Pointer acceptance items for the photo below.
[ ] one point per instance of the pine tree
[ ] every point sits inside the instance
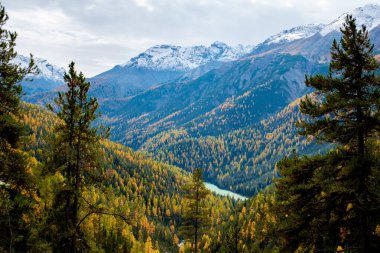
(196, 212)
(331, 201)
(75, 149)
(16, 182)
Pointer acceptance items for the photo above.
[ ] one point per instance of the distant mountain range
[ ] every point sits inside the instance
(170, 57)
(159, 64)
(49, 78)
(163, 63)
(176, 102)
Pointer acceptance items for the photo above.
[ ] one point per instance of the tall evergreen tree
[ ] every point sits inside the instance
(331, 201)
(196, 212)
(75, 149)
(16, 184)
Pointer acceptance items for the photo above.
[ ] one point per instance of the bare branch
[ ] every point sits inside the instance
(125, 219)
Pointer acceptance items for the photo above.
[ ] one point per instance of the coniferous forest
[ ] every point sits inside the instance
(312, 175)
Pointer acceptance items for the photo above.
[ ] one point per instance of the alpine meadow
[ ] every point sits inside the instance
(271, 146)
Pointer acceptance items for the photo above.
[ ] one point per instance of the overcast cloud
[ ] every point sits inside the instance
(98, 34)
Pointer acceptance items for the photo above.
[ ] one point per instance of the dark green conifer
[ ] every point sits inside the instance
(196, 215)
(328, 201)
(16, 183)
(74, 154)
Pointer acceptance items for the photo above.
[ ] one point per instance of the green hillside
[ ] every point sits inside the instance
(242, 160)
(149, 193)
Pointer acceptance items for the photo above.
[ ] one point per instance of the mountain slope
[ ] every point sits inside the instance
(236, 95)
(296, 33)
(242, 160)
(285, 37)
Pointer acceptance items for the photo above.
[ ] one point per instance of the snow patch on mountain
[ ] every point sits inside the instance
(165, 57)
(47, 70)
(368, 15)
(296, 33)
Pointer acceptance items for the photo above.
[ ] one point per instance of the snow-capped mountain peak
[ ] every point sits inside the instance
(296, 33)
(47, 70)
(368, 15)
(49, 77)
(170, 57)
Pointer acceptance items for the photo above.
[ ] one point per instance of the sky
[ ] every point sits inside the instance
(99, 34)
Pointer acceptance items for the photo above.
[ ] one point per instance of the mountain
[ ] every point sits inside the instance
(368, 15)
(218, 102)
(160, 64)
(237, 94)
(49, 78)
(205, 98)
(316, 47)
(296, 33)
(170, 57)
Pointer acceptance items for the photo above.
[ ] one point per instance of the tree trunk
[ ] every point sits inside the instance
(363, 219)
(196, 222)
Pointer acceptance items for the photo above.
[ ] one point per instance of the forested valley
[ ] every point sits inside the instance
(65, 187)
